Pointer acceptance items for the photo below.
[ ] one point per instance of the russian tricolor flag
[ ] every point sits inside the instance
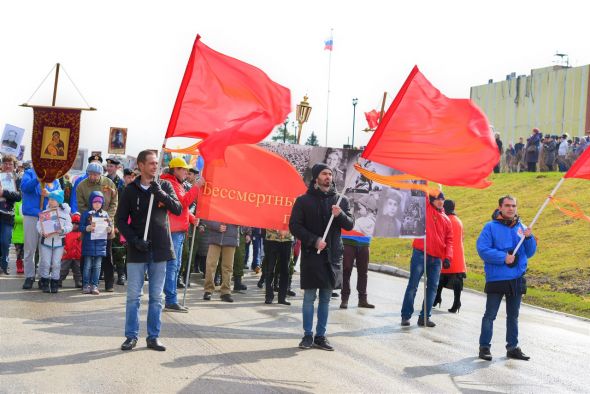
(329, 44)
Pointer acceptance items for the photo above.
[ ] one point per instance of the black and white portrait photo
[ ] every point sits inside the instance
(11, 139)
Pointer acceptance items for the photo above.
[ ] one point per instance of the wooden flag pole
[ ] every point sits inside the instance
(151, 203)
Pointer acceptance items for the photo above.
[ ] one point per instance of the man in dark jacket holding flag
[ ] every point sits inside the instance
(309, 219)
(504, 274)
(151, 254)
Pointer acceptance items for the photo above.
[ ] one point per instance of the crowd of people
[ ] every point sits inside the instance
(549, 152)
(99, 224)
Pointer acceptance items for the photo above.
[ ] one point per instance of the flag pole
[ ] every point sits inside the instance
(539, 212)
(329, 75)
(337, 204)
(151, 204)
(425, 276)
(190, 255)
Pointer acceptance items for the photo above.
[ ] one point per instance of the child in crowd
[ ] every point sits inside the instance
(52, 244)
(72, 253)
(18, 237)
(95, 249)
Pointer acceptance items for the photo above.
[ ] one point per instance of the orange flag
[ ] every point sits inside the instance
(431, 136)
(581, 167)
(253, 187)
(225, 102)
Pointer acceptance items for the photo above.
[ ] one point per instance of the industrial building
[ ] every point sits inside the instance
(553, 99)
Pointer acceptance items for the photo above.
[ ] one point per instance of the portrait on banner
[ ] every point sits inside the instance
(117, 140)
(54, 143)
(11, 139)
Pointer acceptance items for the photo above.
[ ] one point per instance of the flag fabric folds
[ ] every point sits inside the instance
(253, 187)
(329, 44)
(581, 167)
(431, 136)
(225, 101)
(373, 118)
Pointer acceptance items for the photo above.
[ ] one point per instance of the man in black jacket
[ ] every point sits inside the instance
(149, 254)
(309, 219)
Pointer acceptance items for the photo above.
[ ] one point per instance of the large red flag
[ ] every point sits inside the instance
(581, 167)
(253, 187)
(225, 101)
(431, 136)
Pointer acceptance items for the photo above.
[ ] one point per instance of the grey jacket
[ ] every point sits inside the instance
(231, 237)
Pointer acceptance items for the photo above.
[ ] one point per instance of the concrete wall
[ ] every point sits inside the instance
(514, 107)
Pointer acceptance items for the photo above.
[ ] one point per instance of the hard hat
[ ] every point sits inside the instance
(178, 162)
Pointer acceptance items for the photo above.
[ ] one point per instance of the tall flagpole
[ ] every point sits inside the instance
(329, 74)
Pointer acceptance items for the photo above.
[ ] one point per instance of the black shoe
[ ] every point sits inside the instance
(175, 308)
(28, 285)
(238, 285)
(344, 305)
(154, 343)
(5, 270)
(291, 293)
(306, 342)
(517, 354)
(335, 295)
(78, 284)
(260, 283)
(485, 354)
(284, 302)
(44, 285)
(455, 308)
(101, 277)
(59, 283)
(429, 323)
(437, 301)
(180, 284)
(121, 280)
(365, 304)
(227, 298)
(275, 288)
(405, 322)
(109, 289)
(207, 296)
(53, 285)
(129, 344)
(322, 343)
(268, 301)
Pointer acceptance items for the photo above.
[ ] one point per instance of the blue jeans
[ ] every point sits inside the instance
(256, 247)
(433, 265)
(91, 271)
(135, 273)
(173, 268)
(5, 240)
(309, 296)
(487, 322)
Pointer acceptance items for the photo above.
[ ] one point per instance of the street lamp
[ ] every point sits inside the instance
(302, 114)
(354, 103)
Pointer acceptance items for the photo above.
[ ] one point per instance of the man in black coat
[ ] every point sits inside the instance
(309, 219)
(150, 254)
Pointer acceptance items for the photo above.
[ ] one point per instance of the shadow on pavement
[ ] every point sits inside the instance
(36, 365)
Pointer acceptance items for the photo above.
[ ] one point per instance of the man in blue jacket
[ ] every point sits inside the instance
(505, 274)
(31, 197)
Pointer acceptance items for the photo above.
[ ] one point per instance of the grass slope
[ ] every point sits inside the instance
(559, 274)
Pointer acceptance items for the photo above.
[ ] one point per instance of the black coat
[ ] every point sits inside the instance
(309, 219)
(134, 203)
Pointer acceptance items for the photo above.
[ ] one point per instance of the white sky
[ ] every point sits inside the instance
(128, 58)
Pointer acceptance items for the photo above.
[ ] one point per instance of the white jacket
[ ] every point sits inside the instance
(56, 240)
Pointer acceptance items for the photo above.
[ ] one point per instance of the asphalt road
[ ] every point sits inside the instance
(69, 342)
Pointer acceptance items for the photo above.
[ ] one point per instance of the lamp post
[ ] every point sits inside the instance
(302, 114)
(295, 126)
(285, 130)
(354, 103)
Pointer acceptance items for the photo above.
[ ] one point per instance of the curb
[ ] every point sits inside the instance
(394, 271)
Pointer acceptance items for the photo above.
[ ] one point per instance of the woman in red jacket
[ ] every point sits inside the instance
(452, 277)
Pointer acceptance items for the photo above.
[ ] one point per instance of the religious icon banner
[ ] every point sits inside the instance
(56, 133)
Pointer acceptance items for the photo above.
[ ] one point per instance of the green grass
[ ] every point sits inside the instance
(559, 274)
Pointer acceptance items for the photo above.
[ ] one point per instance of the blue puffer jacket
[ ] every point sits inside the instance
(31, 193)
(93, 247)
(494, 242)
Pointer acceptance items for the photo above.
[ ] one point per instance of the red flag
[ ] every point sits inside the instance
(225, 101)
(431, 136)
(373, 118)
(253, 187)
(581, 167)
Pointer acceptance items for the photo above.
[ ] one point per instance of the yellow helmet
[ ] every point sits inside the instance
(178, 162)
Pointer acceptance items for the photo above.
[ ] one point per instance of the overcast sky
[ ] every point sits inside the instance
(128, 58)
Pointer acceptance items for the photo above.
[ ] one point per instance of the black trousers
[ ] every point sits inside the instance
(532, 166)
(277, 254)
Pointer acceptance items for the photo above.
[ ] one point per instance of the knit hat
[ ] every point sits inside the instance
(99, 199)
(317, 168)
(94, 167)
(57, 195)
(440, 196)
(449, 206)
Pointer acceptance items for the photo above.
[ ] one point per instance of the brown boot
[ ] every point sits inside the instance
(344, 304)
(364, 304)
